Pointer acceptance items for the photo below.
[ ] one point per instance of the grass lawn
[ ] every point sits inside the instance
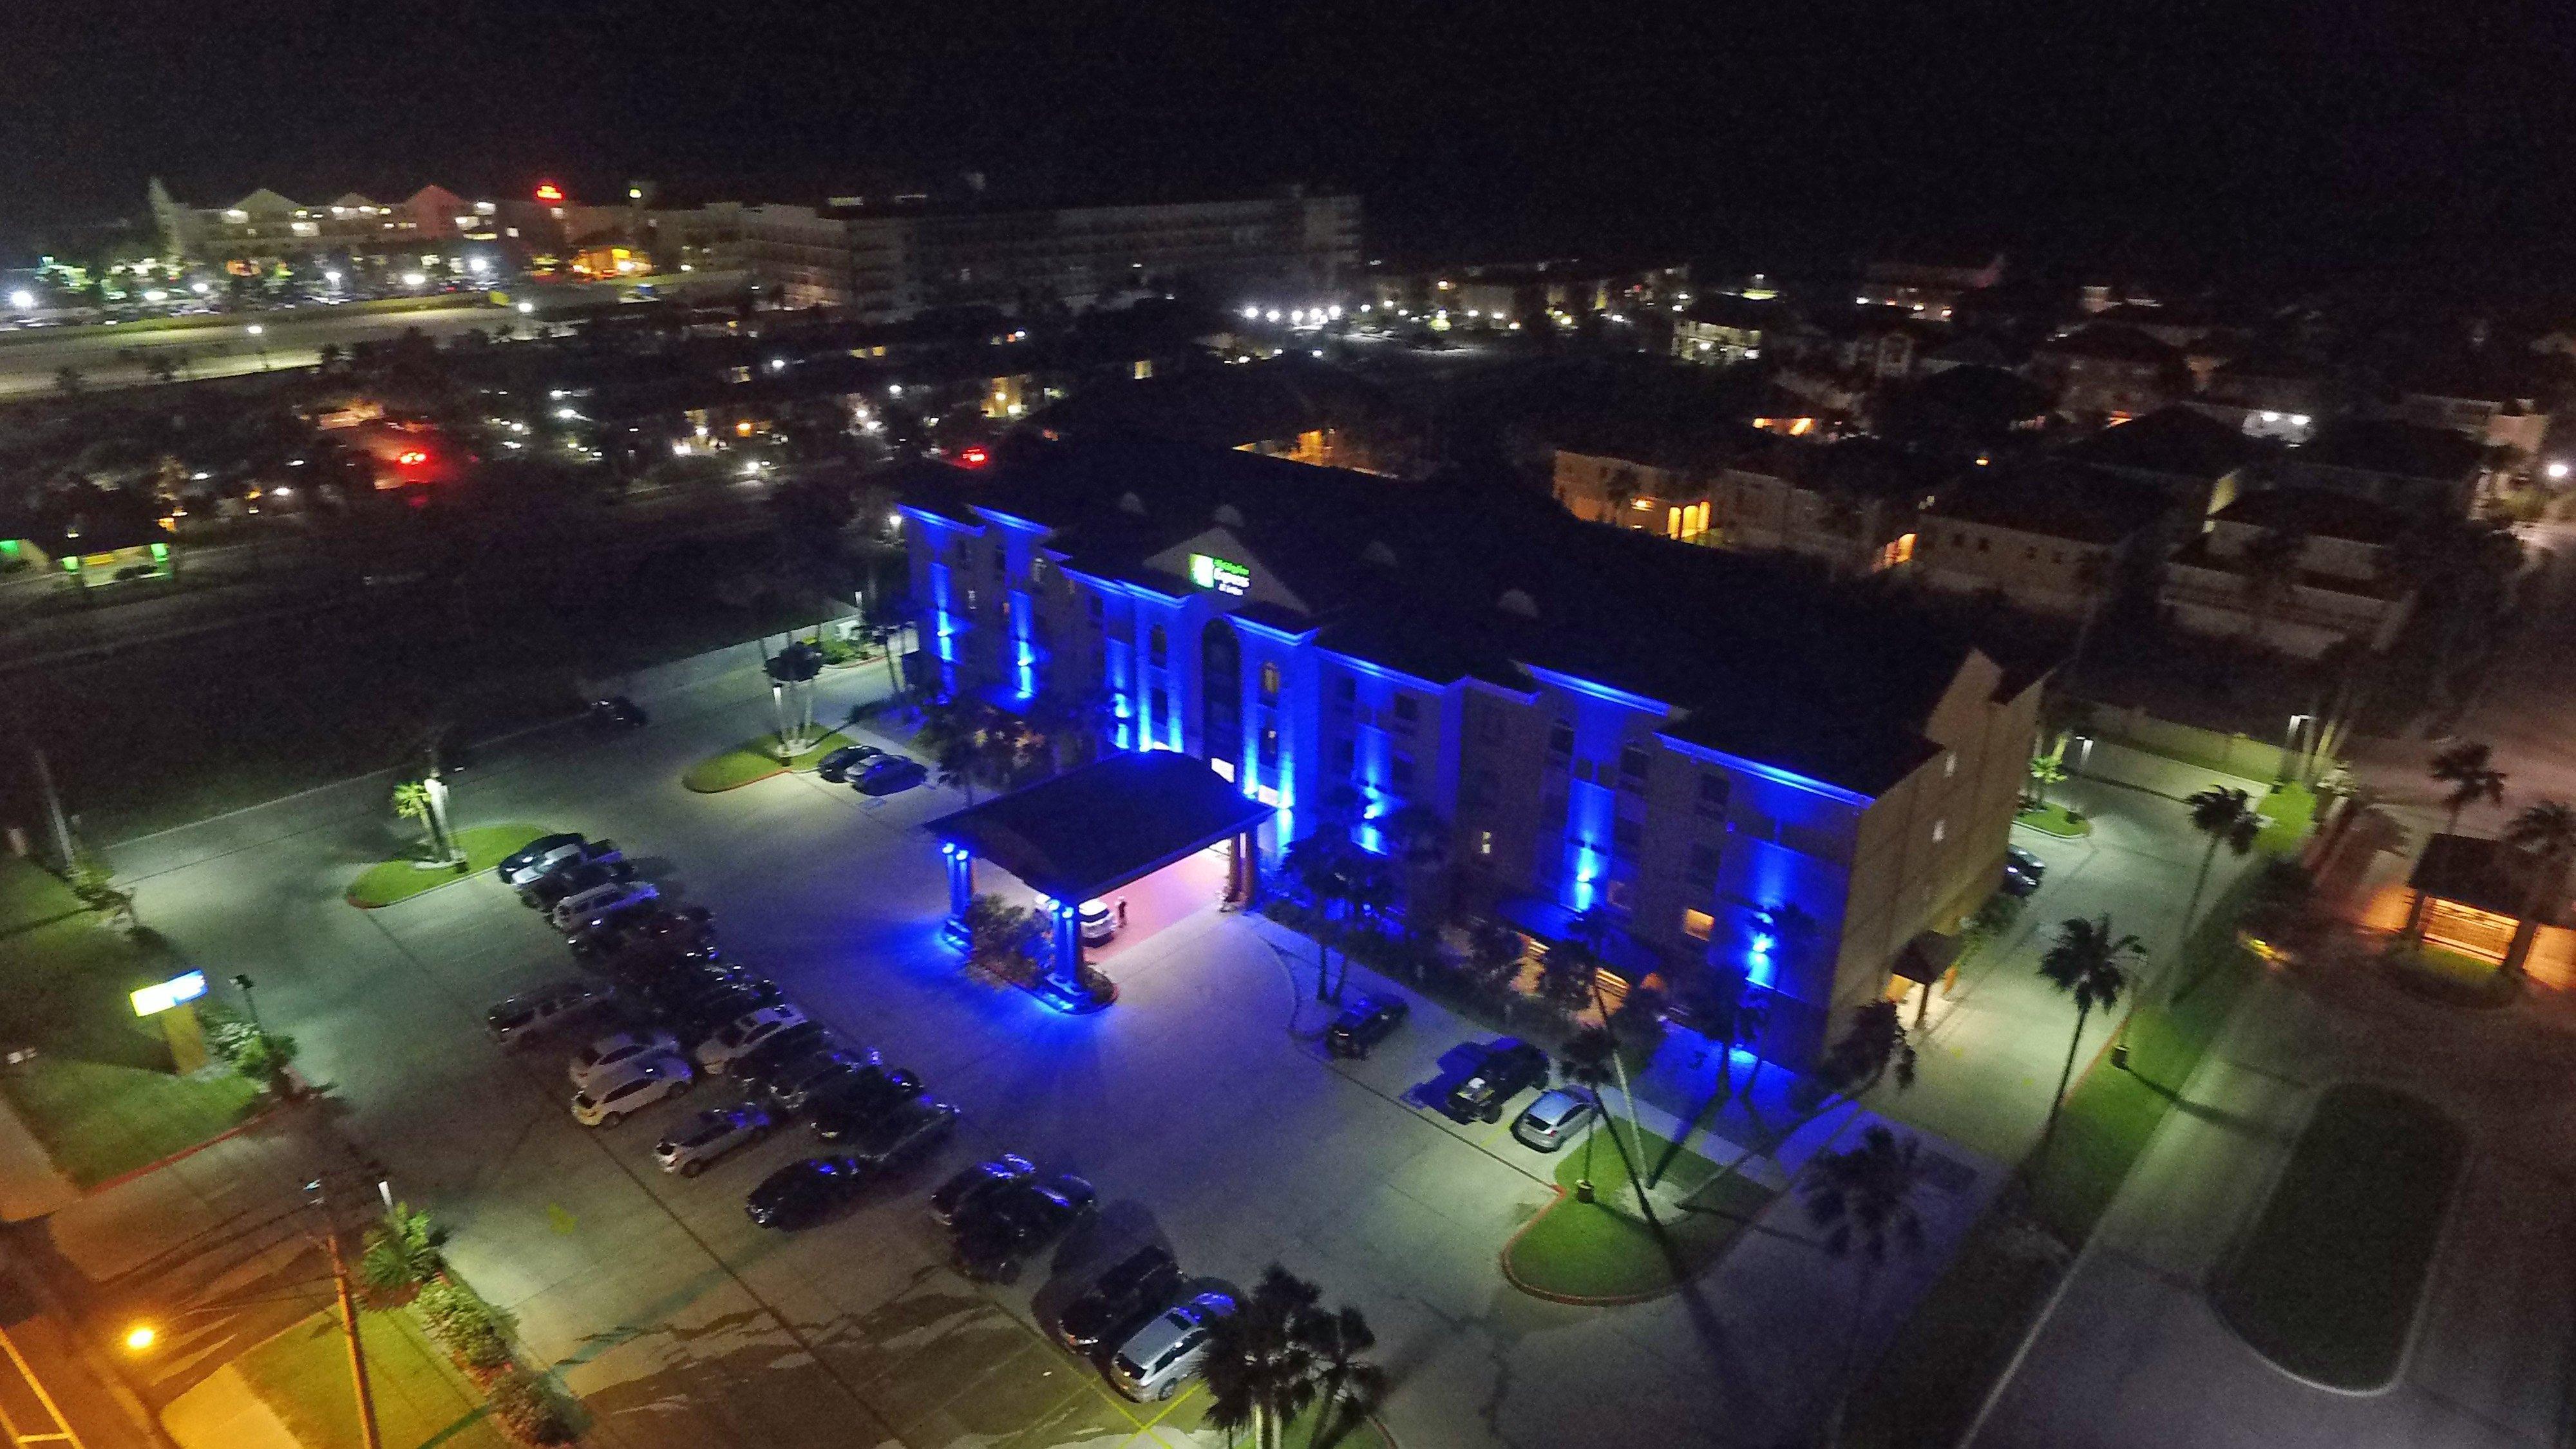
(303, 1375)
(100, 1094)
(2451, 977)
(1931, 1381)
(2292, 808)
(2055, 820)
(400, 880)
(2327, 1284)
(758, 760)
(1604, 1250)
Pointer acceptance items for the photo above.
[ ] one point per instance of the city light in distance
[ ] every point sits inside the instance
(549, 193)
(23, 300)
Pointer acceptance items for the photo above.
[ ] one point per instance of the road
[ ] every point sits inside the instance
(108, 356)
(2522, 708)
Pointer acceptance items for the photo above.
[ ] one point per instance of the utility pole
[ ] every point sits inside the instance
(54, 817)
(314, 1194)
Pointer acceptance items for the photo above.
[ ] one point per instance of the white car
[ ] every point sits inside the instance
(610, 1052)
(711, 1134)
(738, 1037)
(574, 912)
(1161, 1356)
(623, 1090)
(1099, 923)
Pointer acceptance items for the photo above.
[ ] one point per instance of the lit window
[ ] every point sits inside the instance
(1940, 831)
(1269, 683)
(1949, 766)
(1484, 842)
(1697, 924)
(1224, 768)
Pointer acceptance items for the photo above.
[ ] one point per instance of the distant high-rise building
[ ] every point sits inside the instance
(905, 254)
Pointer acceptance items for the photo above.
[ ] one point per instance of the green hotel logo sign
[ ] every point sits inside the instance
(1223, 575)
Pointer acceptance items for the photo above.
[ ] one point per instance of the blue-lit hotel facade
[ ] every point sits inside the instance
(1335, 642)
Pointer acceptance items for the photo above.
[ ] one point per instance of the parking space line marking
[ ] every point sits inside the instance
(42, 1397)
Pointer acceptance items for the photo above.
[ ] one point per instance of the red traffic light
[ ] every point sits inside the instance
(548, 192)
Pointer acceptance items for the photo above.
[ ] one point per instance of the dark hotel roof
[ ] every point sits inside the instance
(2055, 500)
(2320, 512)
(1765, 660)
(2178, 441)
(2487, 874)
(2390, 446)
(1110, 822)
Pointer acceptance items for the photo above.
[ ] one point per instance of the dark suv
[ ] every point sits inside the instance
(1508, 1069)
(1364, 1023)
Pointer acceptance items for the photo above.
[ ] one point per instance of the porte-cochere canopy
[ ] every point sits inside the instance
(1089, 831)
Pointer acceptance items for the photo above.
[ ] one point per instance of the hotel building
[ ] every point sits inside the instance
(1691, 739)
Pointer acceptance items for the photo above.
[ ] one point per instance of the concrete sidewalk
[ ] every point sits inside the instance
(30, 1186)
(2118, 764)
(222, 1413)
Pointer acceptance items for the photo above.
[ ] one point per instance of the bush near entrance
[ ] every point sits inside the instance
(2055, 820)
(758, 760)
(99, 1093)
(1603, 1251)
(400, 880)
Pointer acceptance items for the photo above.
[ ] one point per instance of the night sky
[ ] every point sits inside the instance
(2432, 141)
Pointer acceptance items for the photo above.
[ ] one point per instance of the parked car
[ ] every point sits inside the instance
(837, 765)
(850, 1106)
(1554, 1119)
(815, 1074)
(745, 1032)
(2018, 885)
(532, 1014)
(630, 1088)
(904, 1136)
(537, 857)
(1006, 1225)
(696, 1017)
(1137, 1287)
(574, 912)
(1099, 922)
(571, 878)
(783, 1053)
(1164, 1354)
(616, 1050)
(888, 775)
(959, 1192)
(2016, 858)
(1364, 1023)
(602, 935)
(1509, 1068)
(802, 1192)
(709, 1135)
(616, 712)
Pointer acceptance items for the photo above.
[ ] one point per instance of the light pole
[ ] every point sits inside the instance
(243, 982)
(437, 789)
(316, 1197)
(2289, 743)
(259, 334)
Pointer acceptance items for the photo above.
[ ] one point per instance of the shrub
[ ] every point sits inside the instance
(530, 1409)
(464, 1325)
(839, 651)
(401, 1256)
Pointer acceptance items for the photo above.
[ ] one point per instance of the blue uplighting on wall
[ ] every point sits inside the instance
(1759, 968)
(1773, 773)
(1580, 685)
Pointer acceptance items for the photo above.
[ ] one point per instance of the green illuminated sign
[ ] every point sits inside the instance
(1226, 577)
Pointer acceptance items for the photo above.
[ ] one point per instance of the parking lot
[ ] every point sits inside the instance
(1201, 1105)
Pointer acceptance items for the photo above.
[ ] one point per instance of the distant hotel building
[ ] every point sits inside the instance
(902, 256)
(1749, 772)
(267, 229)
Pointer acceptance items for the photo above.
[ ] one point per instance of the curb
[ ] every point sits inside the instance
(1504, 1259)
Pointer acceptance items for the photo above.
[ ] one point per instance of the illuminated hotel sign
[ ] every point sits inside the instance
(155, 999)
(1210, 572)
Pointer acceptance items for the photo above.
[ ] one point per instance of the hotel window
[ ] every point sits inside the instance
(1713, 791)
(1633, 763)
(1346, 692)
(1560, 740)
(1407, 709)
(1484, 843)
(1269, 749)
(1269, 684)
(1399, 774)
(1626, 836)
(1346, 756)
(1098, 606)
(1940, 831)
(1697, 924)
(1157, 646)
(1489, 724)
(1704, 859)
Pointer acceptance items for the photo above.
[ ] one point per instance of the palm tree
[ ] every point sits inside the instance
(401, 1256)
(69, 382)
(1595, 929)
(1618, 490)
(412, 802)
(2546, 832)
(1263, 1360)
(2090, 964)
(1346, 1386)
(1321, 864)
(2227, 817)
(792, 671)
(2467, 768)
(1863, 1198)
(1418, 839)
(1728, 1010)
(1586, 1063)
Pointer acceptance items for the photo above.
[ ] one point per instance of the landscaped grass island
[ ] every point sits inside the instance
(400, 880)
(2328, 1282)
(1604, 1252)
(302, 1375)
(758, 760)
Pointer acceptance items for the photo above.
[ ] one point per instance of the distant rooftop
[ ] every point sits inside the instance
(2318, 513)
(2055, 500)
(2177, 441)
(2393, 447)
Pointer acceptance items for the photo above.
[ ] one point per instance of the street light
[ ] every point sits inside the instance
(2289, 741)
(243, 981)
(23, 300)
(140, 1337)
